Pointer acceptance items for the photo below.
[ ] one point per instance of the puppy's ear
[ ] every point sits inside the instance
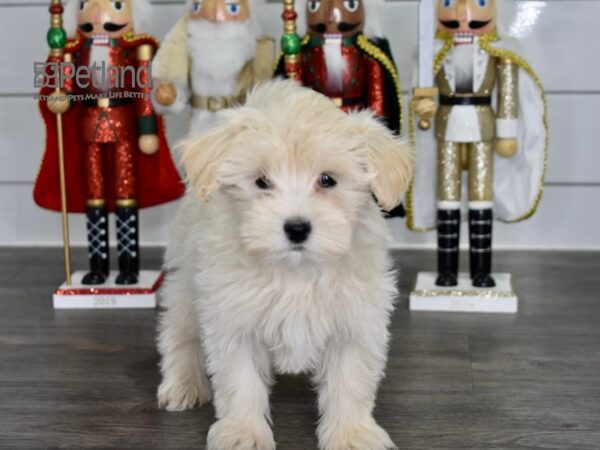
(202, 155)
(389, 158)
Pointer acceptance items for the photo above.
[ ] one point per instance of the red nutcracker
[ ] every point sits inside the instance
(115, 153)
(345, 57)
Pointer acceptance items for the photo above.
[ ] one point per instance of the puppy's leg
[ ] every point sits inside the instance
(241, 380)
(184, 382)
(347, 381)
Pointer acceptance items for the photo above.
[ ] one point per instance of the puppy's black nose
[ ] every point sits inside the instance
(297, 230)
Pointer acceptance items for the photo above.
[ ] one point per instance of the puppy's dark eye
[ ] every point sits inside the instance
(326, 181)
(263, 182)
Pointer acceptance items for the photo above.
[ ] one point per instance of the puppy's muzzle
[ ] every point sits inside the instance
(297, 230)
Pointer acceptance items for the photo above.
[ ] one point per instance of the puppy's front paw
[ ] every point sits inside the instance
(365, 435)
(181, 396)
(230, 434)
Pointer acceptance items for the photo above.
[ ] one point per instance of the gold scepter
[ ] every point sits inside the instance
(57, 39)
(290, 41)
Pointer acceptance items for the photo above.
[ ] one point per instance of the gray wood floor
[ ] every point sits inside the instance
(72, 379)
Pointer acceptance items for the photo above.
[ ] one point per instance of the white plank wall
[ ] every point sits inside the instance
(561, 45)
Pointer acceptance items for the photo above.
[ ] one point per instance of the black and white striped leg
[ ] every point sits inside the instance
(127, 245)
(480, 241)
(97, 229)
(448, 230)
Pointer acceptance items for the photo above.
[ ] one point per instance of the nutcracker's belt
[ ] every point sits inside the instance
(475, 101)
(347, 101)
(213, 104)
(105, 102)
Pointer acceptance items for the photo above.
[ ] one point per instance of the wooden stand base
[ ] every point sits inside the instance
(426, 296)
(109, 295)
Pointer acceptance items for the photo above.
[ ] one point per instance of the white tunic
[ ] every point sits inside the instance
(465, 65)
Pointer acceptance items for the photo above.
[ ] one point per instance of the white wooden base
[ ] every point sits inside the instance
(426, 296)
(109, 295)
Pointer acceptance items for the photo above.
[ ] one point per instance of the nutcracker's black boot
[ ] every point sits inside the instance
(97, 228)
(448, 230)
(127, 245)
(480, 241)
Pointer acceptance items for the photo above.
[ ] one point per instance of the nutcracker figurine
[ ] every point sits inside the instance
(489, 121)
(116, 157)
(210, 59)
(345, 57)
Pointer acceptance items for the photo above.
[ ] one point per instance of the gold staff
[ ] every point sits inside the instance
(57, 39)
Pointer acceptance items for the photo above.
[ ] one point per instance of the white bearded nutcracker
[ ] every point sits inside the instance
(210, 59)
(489, 121)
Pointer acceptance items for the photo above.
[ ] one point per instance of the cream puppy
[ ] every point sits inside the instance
(278, 263)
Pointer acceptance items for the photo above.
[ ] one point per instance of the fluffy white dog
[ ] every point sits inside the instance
(278, 263)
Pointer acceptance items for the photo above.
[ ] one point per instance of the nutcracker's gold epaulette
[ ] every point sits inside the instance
(73, 44)
(365, 44)
(135, 40)
(374, 51)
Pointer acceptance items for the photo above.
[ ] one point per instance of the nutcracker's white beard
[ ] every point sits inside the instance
(335, 64)
(462, 60)
(99, 58)
(218, 52)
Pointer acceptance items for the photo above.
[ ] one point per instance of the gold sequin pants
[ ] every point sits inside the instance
(476, 158)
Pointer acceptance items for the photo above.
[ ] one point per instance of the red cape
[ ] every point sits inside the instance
(158, 179)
